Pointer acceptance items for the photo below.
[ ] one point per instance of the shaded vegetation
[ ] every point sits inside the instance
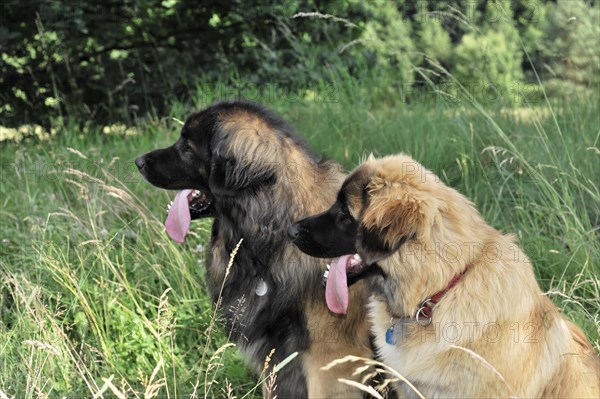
(119, 60)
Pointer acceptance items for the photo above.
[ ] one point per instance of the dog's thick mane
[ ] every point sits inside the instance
(454, 237)
(299, 181)
(227, 110)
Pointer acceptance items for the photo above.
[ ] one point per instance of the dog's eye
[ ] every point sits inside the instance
(345, 219)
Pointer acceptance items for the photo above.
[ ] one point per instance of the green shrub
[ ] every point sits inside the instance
(114, 61)
(434, 41)
(488, 60)
(491, 59)
(571, 48)
(119, 59)
(388, 35)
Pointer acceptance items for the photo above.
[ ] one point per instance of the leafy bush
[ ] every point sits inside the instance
(113, 61)
(571, 48)
(389, 36)
(119, 59)
(489, 61)
(434, 41)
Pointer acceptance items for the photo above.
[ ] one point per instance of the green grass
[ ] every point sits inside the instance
(95, 297)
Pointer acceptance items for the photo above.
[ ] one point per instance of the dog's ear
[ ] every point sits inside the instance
(394, 213)
(242, 159)
(230, 176)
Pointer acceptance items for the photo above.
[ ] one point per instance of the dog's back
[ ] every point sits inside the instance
(578, 371)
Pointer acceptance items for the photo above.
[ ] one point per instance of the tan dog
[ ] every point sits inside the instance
(456, 308)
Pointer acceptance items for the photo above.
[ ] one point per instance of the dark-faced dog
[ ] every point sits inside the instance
(244, 166)
(456, 308)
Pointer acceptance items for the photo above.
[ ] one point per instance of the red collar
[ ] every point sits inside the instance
(425, 310)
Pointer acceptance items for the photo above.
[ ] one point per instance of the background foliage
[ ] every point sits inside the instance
(117, 60)
(499, 98)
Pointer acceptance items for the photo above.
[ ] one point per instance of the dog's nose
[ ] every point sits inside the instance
(140, 162)
(293, 231)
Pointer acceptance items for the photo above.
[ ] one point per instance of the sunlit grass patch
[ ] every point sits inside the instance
(95, 298)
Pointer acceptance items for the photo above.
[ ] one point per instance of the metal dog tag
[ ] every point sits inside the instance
(261, 288)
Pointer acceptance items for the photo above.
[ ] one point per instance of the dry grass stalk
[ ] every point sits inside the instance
(382, 368)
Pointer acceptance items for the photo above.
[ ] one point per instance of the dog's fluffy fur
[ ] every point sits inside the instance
(495, 333)
(260, 177)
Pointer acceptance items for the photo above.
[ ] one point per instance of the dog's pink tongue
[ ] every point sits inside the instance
(178, 220)
(336, 289)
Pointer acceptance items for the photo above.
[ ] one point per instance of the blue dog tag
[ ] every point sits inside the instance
(389, 336)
